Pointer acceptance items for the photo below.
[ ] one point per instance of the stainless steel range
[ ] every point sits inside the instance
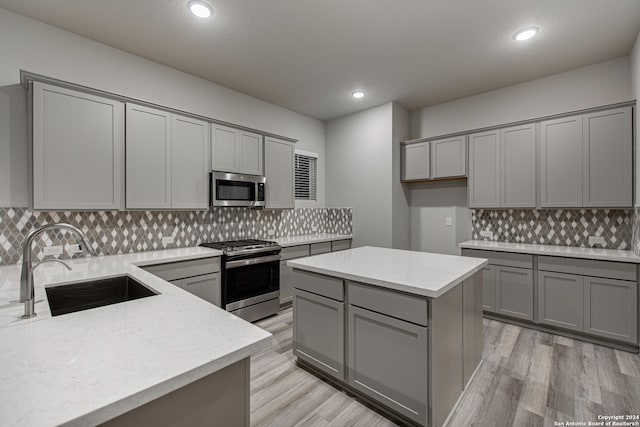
(250, 277)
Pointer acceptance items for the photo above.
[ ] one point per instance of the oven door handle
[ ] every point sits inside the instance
(251, 261)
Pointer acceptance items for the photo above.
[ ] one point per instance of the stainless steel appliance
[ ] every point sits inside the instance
(232, 189)
(250, 277)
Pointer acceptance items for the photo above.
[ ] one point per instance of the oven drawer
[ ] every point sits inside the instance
(326, 286)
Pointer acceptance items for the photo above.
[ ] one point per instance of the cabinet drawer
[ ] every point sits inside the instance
(183, 269)
(319, 284)
(320, 248)
(292, 252)
(588, 267)
(340, 245)
(392, 303)
(508, 259)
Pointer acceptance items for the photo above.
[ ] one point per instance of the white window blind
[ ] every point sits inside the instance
(306, 164)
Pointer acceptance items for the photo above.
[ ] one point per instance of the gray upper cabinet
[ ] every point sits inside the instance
(608, 158)
(561, 162)
(236, 151)
(167, 160)
(78, 150)
(518, 167)
(189, 163)
(148, 148)
(279, 158)
(449, 157)
(415, 162)
(484, 170)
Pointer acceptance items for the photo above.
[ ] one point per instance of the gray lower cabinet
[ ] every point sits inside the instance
(340, 245)
(206, 287)
(489, 288)
(318, 332)
(78, 150)
(560, 300)
(514, 292)
(388, 361)
(611, 308)
(320, 248)
(279, 170)
(286, 283)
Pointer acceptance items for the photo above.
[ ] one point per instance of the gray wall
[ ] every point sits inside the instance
(36, 47)
(634, 60)
(400, 194)
(595, 85)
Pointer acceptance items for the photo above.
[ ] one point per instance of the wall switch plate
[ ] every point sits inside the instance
(167, 240)
(74, 248)
(53, 250)
(486, 233)
(596, 240)
(449, 221)
(271, 232)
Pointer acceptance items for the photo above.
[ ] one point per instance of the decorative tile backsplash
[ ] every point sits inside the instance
(563, 227)
(636, 231)
(114, 232)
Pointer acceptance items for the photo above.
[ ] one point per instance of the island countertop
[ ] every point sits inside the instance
(87, 367)
(420, 273)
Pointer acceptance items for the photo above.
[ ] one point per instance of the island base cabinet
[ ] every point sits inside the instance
(388, 361)
(489, 288)
(318, 332)
(611, 308)
(219, 399)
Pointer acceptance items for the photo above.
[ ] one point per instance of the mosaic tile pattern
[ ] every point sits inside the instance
(636, 231)
(563, 227)
(113, 232)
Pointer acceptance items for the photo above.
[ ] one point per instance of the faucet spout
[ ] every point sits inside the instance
(27, 295)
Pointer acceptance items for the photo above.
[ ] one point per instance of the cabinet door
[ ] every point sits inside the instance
(561, 162)
(78, 150)
(415, 161)
(206, 287)
(189, 163)
(279, 170)
(318, 332)
(388, 361)
(518, 167)
(448, 157)
(148, 158)
(489, 288)
(249, 153)
(224, 148)
(611, 308)
(286, 283)
(484, 170)
(560, 300)
(608, 158)
(514, 292)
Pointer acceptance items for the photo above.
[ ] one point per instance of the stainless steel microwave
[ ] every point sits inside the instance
(232, 189)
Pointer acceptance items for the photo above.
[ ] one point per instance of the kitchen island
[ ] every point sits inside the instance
(400, 329)
(168, 359)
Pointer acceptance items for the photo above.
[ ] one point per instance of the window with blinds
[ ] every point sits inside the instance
(306, 164)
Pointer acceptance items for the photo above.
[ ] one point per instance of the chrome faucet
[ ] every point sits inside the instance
(26, 277)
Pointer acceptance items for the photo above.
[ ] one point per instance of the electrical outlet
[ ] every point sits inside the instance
(271, 232)
(596, 240)
(449, 221)
(167, 240)
(314, 229)
(486, 233)
(74, 248)
(53, 250)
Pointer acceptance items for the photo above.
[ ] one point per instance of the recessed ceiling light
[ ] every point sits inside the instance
(357, 94)
(525, 34)
(200, 9)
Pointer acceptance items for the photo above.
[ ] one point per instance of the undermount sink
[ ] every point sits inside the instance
(64, 299)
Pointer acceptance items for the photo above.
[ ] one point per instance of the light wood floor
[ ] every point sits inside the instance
(528, 378)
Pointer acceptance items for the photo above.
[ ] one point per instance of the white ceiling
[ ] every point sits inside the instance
(309, 55)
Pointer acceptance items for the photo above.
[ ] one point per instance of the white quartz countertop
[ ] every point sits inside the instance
(307, 239)
(419, 273)
(552, 250)
(87, 367)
